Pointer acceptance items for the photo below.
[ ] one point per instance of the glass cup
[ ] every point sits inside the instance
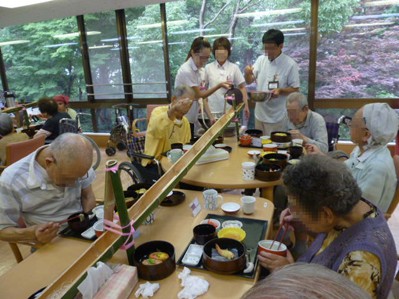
(175, 154)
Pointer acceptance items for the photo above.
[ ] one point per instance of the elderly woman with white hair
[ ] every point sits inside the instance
(8, 135)
(352, 235)
(371, 163)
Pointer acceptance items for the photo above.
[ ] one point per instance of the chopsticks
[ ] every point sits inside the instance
(81, 216)
(277, 235)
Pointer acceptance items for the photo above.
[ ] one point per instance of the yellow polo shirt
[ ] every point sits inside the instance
(162, 132)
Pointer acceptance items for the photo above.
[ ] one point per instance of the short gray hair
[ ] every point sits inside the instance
(6, 125)
(299, 98)
(319, 181)
(72, 148)
(181, 90)
(305, 281)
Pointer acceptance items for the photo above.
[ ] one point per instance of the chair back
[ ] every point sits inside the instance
(68, 125)
(333, 135)
(18, 150)
(395, 200)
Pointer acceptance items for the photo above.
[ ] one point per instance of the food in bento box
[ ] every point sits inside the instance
(162, 256)
(155, 258)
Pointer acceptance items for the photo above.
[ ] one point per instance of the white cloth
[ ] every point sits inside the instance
(285, 69)
(215, 74)
(375, 174)
(194, 286)
(188, 74)
(26, 191)
(382, 122)
(147, 289)
(96, 277)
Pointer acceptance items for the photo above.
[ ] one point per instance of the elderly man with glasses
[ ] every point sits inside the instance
(46, 187)
(371, 163)
(304, 123)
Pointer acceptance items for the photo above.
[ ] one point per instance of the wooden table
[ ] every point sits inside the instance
(172, 224)
(226, 174)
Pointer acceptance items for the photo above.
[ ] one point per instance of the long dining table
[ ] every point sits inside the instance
(172, 224)
(226, 174)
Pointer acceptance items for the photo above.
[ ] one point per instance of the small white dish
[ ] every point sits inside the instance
(230, 207)
(253, 153)
(99, 211)
(232, 223)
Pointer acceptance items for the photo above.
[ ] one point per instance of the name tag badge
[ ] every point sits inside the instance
(272, 85)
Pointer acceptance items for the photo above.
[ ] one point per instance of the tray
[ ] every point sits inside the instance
(255, 230)
(250, 146)
(67, 232)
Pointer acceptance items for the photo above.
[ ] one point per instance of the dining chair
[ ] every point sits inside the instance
(14, 152)
(18, 150)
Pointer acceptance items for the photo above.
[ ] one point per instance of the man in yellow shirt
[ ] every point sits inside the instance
(168, 124)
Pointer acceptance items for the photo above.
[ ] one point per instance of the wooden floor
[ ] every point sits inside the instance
(7, 259)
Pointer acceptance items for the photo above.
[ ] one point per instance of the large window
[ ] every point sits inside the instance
(105, 63)
(146, 52)
(358, 49)
(41, 61)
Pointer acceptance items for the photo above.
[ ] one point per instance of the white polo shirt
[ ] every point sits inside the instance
(282, 69)
(216, 73)
(26, 191)
(188, 74)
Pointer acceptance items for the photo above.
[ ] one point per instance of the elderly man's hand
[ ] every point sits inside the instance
(296, 134)
(46, 232)
(273, 261)
(312, 149)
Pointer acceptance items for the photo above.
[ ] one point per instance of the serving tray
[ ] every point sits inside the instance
(255, 229)
(67, 232)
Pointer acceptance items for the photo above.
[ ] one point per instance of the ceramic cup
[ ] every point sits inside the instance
(98, 227)
(211, 198)
(248, 204)
(270, 147)
(297, 141)
(248, 171)
(265, 245)
(175, 154)
(265, 139)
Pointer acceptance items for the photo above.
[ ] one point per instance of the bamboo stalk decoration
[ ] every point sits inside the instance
(122, 210)
(109, 196)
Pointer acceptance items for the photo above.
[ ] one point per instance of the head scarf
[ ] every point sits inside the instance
(61, 98)
(382, 122)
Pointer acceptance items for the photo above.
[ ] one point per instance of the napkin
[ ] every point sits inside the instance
(147, 289)
(194, 286)
(96, 277)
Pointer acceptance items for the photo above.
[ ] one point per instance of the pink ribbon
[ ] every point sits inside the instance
(114, 169)
(117, 229)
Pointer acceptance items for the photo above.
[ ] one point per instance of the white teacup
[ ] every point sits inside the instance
(175, 154)
(297, 141)
(211, 198)
(248, 204)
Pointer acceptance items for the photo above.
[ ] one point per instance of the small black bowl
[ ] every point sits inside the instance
(203, 233)
(175, 199)
(77, 225)
(279, 159)
(267, 172)
(254, 132)
(177, 145)
(295, 151)
(280, 136)
(156, 271)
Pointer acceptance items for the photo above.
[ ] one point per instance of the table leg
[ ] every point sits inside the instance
(268, 193)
